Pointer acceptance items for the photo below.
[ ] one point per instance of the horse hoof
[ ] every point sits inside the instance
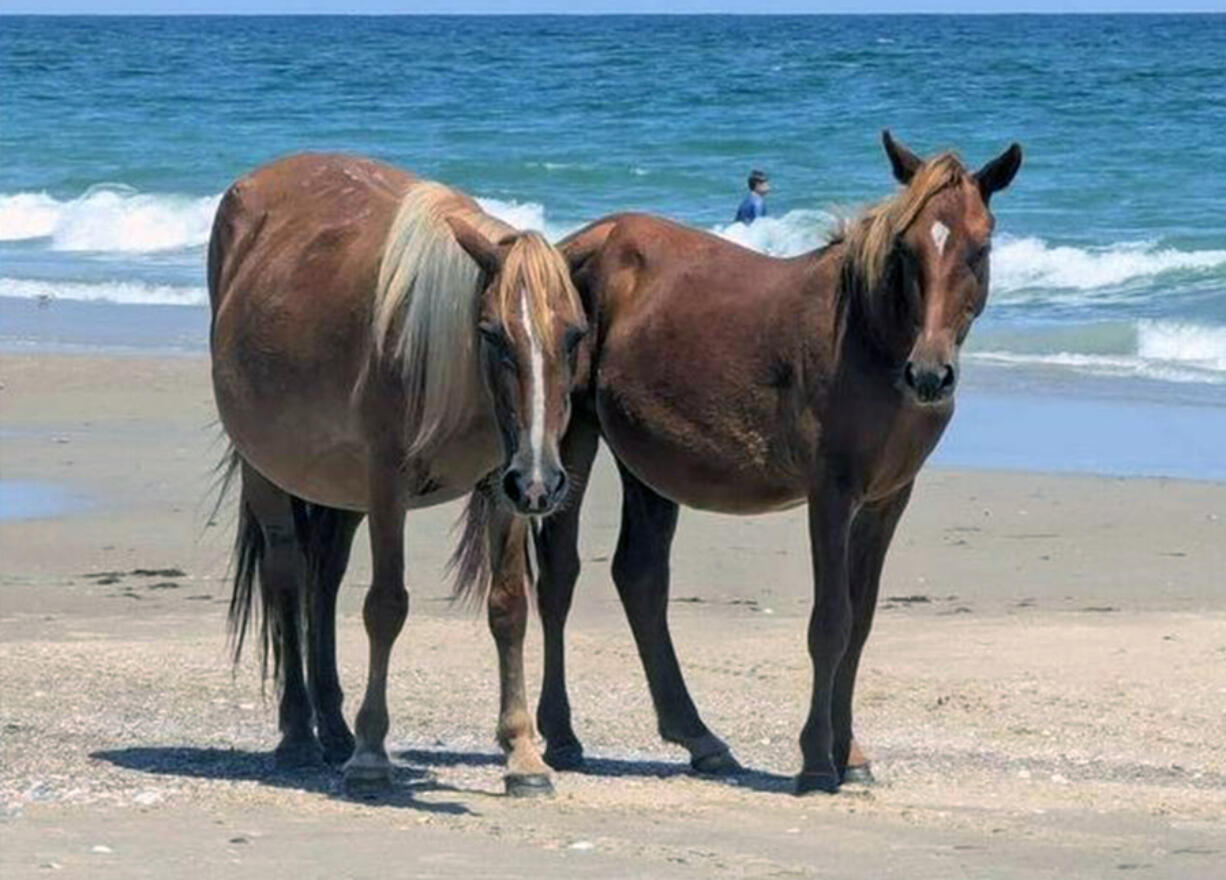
(861, 774)
(298, 753)
(567, 757)
(367, 781)
(527, 785)
(807, 783)
(716, 764)
(337, 749)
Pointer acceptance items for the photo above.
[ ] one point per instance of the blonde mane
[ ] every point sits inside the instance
(428, 300)
(870, 237)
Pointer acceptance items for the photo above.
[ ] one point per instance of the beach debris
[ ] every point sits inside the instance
(582, 845)
(101, 849)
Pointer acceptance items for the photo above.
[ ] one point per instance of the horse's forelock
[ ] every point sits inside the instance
(870, 236)
(535, 267)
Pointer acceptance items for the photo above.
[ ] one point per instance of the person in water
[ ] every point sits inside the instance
(754, 205)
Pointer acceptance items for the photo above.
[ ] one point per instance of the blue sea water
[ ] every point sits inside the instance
(118, 135)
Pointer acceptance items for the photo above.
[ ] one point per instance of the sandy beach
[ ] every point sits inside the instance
(1042, 694)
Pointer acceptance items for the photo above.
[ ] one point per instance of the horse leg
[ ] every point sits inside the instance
(282, 580)
(557, 555)
(871, 533)
(830, 514)
(387, 605)
(329, 540)
(640, 571)
(527, 774)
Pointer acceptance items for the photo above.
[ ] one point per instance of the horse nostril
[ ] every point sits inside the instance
(908, 373)
(947, 377)
(558, 490)
(510, 486)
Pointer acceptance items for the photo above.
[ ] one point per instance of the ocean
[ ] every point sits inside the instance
(1103, 347)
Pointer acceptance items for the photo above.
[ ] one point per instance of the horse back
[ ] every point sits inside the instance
(293, 265)
(698, 368)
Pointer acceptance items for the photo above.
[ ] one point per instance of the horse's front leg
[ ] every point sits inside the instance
(526, 774)
(387, 605)
(871, 533)
(830, 514)
(557, 557)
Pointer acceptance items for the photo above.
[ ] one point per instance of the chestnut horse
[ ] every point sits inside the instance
(726, 380)
(381, 344)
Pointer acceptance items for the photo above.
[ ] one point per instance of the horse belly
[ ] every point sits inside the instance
(308, 448)
(733, 471)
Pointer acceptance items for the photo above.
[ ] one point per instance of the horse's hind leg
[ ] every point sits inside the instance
(369, 771)
(557, 555)
(871, 533)
(640, 570)
(527, 774)
(329, 539)
(282, 579)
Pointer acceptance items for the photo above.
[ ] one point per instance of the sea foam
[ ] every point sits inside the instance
(1172, 351)
(1022, 264)
(121, 292)
(1018, 264)
(109, 218)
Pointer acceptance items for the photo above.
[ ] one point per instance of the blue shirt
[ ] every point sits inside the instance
(751, 209)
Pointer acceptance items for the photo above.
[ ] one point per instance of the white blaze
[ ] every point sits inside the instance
(538, 385)
(940, 232)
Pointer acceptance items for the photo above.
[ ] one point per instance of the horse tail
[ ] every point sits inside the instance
(470, 564)
(475, 561)
(249, 551)
(248, 554)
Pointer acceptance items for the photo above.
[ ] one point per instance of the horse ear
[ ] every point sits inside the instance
(487, 254)
(997, 174)
(903, 161)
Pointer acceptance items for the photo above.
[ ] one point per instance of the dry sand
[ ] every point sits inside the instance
(1042, 696)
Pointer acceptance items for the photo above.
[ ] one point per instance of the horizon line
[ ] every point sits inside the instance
(880, 14)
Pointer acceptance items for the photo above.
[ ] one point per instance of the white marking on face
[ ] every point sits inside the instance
(537, 425)
(940, 233)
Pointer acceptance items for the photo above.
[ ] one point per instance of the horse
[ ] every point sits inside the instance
(727, 380)
(380, 344)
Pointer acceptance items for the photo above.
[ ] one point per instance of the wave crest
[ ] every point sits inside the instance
(109, 218)
(121, 292)
(1172, 351)
(789, 235)
(1021, 264)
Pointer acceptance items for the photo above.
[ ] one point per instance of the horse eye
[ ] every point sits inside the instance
(574, 336)
(496, 338)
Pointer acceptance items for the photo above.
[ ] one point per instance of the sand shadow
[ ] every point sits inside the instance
(747, 778)
(238, 765)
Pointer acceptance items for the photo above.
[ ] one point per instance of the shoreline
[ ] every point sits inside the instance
(1006, 422)
(1038, 695)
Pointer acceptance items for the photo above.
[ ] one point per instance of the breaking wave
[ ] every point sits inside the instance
(109, 218)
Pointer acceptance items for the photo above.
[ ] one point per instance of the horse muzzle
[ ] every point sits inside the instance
(535, 491)
(929, 383)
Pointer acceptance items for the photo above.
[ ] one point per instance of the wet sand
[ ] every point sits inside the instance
(1042, 694)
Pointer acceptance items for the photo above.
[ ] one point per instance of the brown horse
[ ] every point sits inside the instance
(730, 381)
(381, 344)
